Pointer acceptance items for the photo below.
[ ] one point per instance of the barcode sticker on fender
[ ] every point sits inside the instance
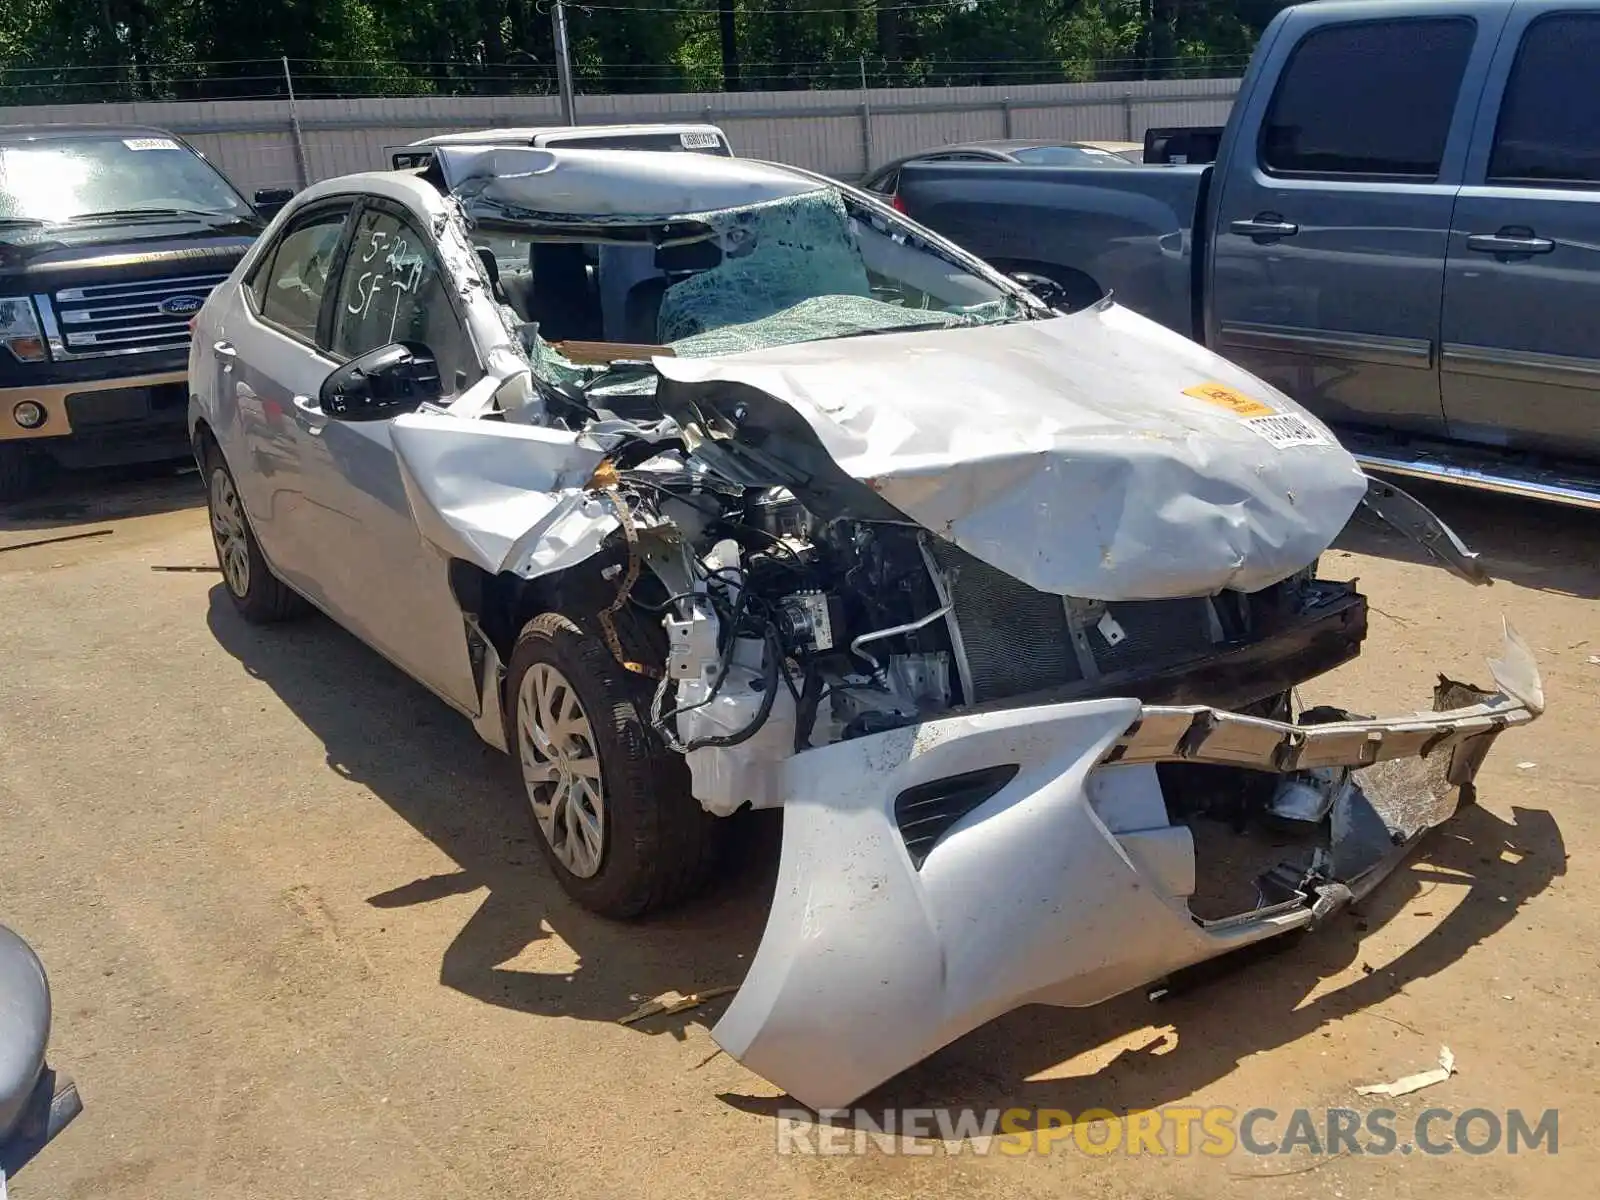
(1286, 429)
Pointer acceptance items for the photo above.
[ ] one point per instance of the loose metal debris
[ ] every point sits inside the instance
(1414, 1083)
(675, 1002)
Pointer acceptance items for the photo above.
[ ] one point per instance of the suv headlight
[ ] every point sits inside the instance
(19, 329)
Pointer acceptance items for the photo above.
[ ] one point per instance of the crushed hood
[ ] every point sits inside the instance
(1097, 455)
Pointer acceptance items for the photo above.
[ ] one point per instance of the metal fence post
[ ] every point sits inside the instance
(866, 122)
(1127, 117)
(301, 169)
(558, 33)
(1005, 116)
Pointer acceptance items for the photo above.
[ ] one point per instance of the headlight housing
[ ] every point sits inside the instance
(19, 329)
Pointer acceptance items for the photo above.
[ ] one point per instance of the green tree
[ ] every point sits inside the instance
(55, 50)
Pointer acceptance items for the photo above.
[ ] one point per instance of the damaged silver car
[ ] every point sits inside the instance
(701, 484)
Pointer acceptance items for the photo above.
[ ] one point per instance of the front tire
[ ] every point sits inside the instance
(611, 805)
(258, 595)
(19, 472)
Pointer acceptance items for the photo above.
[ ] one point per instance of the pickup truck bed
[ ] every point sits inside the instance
(1131, 231)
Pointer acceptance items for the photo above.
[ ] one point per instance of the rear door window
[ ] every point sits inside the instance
(1374, 98)
(1549, 128)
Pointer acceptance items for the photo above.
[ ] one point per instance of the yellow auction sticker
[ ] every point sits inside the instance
(1237, 403)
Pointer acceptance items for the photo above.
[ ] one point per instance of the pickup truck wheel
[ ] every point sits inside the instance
(258, 595)
(19, 473)
(1079, 290)
(611, 805)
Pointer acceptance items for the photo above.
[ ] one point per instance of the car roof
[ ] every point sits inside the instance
(525, 134)
(42, 132)
(1003, 145)
(630, 183)
(1113, 147)
(993, 146)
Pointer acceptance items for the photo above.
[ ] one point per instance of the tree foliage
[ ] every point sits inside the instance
(83, 50)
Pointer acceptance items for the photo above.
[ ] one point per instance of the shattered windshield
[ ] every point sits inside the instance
(588, 292)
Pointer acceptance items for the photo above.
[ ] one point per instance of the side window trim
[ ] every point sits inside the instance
(1270, 103)
(400, 212)
(269, 259)
(341, 261)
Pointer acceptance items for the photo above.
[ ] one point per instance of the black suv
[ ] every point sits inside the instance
(110, 240)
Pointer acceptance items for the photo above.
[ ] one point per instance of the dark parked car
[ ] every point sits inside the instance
(1031, 152)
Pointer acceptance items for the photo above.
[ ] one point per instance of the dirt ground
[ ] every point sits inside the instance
(302, 946)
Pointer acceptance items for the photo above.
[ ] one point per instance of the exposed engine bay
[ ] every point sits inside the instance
(915, 710)
(786, 631)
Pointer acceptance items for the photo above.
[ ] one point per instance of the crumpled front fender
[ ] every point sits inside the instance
(504, 497)
(935, 877)
(869, 964)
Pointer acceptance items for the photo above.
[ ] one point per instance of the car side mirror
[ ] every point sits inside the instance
(1043, 287)
(387, 382)
(268, 201)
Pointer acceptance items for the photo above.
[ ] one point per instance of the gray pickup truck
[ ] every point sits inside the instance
(1401, 229)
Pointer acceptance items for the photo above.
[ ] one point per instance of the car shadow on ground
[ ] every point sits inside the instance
(385, 731)
(79, 498)
(1530, 543)
(381, 729)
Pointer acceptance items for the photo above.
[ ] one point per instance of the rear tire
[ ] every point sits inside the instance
(1079, 289)
(258, 595)
(611, 805)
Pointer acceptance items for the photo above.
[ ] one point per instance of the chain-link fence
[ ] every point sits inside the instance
(339, 79)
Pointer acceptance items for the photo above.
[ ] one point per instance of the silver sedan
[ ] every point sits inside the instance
(699, 484)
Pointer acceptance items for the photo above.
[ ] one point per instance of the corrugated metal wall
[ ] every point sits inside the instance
(839, 133)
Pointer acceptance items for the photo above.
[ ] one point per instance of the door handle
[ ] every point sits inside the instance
(1264, 227)
(224, 350)
(312, 412)
(1513, 239)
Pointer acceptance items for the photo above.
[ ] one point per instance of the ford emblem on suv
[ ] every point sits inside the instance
(182, 306)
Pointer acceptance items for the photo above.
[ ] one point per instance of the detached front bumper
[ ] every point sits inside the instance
(935, 877)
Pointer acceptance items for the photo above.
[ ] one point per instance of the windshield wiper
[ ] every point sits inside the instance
(21, 223)
(126, 214)
(620, 370)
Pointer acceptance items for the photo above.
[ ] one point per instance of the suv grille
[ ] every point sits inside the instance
(126, 318)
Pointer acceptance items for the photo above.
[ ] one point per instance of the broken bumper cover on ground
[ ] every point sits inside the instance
(1052, 873)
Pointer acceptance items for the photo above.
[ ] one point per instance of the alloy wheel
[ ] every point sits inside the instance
(228, 531)
(561, 769)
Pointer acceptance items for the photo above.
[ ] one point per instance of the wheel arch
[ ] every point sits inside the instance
(1083, 288)
(200, 437)
(502, 604)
